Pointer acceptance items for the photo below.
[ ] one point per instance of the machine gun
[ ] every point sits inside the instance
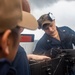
(61, 64)
(69, 58)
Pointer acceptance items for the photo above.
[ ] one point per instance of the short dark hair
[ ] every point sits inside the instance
(45, 17)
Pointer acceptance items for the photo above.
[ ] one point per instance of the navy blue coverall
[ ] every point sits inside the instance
(21, 63)
(67, 39)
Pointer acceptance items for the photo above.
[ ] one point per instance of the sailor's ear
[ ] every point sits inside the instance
(5, 42)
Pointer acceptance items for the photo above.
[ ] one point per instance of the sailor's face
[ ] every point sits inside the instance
(50, 29)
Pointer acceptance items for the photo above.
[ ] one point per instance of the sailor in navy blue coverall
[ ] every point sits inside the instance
(54, 37)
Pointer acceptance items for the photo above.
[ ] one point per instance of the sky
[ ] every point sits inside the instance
(63, 10)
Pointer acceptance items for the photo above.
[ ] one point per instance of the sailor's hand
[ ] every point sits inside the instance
(38, 57)
(25, 6)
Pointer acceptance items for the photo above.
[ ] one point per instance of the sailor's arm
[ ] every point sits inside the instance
(37, 57)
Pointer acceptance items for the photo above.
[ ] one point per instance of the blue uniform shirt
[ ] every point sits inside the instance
(21, 62)
(6, 68)
(67, 38)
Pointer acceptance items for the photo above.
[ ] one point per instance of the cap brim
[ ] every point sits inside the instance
(46, 22)
(28, 21)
